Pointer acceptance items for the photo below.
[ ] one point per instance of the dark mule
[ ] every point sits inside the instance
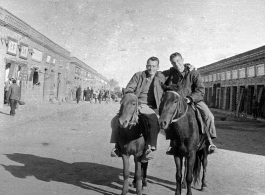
(132, 136)
(187, 142)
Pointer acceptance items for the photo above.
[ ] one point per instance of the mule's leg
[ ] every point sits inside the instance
(190, 165)
(178, 162)
(144, 174)
(204, 165)
(125, 160)
(138, 175)
(184, 184)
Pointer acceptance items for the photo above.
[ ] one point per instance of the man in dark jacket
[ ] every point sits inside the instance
(146, 85)
(13, 96)
(194, 90)
(78, 93)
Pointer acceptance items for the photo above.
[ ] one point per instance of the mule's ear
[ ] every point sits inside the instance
(164, 87)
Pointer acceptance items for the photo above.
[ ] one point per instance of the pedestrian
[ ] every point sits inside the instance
(255, 105)
(8, 83)
(95, 95)
(100, 96)
(91, 94)
(84, 94)
(194, 91)
(78, 93)
(87, 94)
(147, 86)
(13, 97)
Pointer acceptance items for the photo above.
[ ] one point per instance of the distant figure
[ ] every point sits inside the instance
(78, 93)
(255, 105)
(87, 94)
(100, 96)
(84, 94)
(13, 96)
(8, 83)
(95, 95)
(91, 94)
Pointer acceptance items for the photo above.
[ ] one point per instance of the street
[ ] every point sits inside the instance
(65, 150)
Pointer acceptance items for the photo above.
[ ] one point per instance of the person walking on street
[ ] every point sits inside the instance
(84, 94)
(13, 97)
(8, 83)
(78, 93)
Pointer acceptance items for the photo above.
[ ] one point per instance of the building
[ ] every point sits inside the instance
(86, 76)
(44, 70)
(230, 84)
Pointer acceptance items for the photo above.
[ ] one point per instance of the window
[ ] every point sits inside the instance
(218, 77)
(223, 76)
(210, 78)
(228, 75)
(260, 69)
(35, 77)
(214, 77)
(206, 79)
(234, 74)
(242, 73)
(251, 71)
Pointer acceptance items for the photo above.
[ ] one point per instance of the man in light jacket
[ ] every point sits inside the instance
(13, 96)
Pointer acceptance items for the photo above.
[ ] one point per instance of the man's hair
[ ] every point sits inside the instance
(173, 55)
(153, 59)
(14, 81)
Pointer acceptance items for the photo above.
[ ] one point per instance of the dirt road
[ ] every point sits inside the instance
(68, 153)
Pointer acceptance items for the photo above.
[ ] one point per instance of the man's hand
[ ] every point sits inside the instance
(188, 100)
(191, 67)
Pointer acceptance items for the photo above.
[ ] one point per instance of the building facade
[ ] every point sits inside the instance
(43, 70)
(233, 83)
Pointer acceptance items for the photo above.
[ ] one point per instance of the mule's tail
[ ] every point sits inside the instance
(197, 168)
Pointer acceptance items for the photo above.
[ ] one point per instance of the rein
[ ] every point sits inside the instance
(178, 108)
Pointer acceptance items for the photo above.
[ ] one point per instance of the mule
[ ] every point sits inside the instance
(131, 140)
(179, 121)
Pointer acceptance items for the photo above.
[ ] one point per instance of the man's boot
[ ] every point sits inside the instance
(115, 152)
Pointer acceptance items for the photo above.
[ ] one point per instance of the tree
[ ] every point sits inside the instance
(113, 83)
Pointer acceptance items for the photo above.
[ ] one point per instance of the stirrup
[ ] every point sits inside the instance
(212, 148)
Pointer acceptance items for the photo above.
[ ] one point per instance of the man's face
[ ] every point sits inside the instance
(177, 63)
(152, 67)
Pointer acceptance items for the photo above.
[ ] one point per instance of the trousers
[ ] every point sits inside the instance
(152, 120)
(208, 118)
(13, 105)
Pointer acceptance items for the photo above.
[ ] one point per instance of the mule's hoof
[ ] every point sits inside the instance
(132, 185)
(170, 151)
(144, 183)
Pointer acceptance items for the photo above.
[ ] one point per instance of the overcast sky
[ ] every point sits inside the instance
(116, 37)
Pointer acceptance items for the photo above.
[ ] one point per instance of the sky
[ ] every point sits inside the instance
(116, 37)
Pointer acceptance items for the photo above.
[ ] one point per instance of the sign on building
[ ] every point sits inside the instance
(12, 46)
(23, 51)
(23, 75)
(37, 55)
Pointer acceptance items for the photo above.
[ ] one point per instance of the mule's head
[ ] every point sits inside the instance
(170, 106)
(128, 110)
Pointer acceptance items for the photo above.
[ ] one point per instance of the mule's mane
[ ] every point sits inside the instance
(175, 87)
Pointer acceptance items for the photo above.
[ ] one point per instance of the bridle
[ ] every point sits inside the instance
(134, 119)
(178, 109)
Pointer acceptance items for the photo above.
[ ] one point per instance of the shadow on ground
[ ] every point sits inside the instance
(82, 174)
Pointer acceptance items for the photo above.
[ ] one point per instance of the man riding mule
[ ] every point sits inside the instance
(193, 91)
(147, 86)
